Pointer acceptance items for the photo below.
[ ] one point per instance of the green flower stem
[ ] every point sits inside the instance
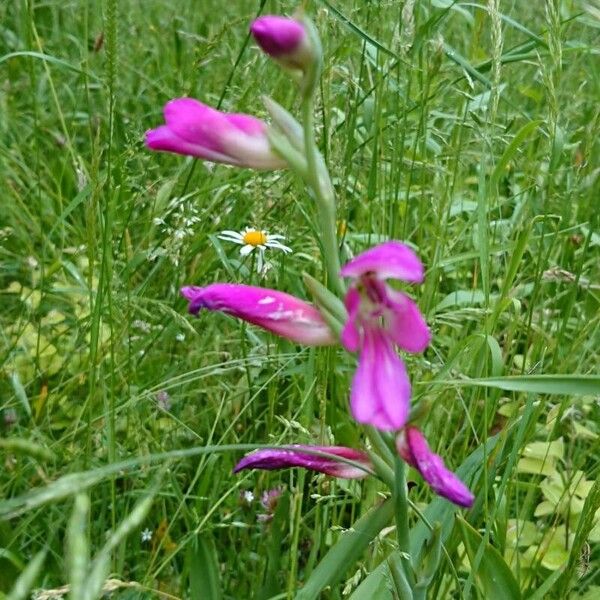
(401, 584)
(401, 514)
(376, 438)
(318, 180)
(316, 176)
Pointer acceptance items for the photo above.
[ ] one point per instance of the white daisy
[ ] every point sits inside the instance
(251, 239)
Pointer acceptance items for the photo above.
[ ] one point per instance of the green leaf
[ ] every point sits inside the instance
(347, 551)
(494, 574)
(204, 568)
(581, 385)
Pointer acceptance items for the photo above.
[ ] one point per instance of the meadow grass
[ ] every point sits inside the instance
(468, 130)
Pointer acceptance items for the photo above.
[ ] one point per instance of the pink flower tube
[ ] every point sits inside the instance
(283, 39)
(380, 318)
(280, 313)
(413, 448)
(194, 129)
(297, 456)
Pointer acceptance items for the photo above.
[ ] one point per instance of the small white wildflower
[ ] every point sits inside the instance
(180, 337)
(142, 325)
(248, 496)
(146, 535)
(251, 239)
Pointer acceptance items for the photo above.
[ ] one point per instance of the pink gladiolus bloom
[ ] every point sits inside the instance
(413, 448)
(379, 318)
(194, 129)
(283, 39)
(299, 457)
(280, 313)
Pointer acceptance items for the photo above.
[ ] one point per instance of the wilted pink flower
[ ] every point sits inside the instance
(280, 313)
(413, 448)
(283, 39)
(270, 498)
(379, 318)
(194, 129)
(314, 459)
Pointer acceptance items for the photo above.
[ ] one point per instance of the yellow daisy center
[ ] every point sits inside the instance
(255, 238)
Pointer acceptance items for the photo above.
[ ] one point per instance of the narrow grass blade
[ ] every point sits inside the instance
(494, 574)
(26, 581)
(526, 131)
(275, 560)
(27, 447)
(78, 552)
(101, 564)
(347, 551)
(587, 521)
(576, 385)
(204, 568)
(542, 592)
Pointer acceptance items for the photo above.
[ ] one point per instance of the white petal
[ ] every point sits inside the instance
(230, 239)
(235, 234)
(245, 250)
(276, 237)
(278, 246)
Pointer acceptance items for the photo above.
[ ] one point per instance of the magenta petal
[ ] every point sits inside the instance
(390, 259)
(413, 448)
(298, 456)
(197, 123)
(276, 35)
(247, 124)
(405, 323)
(350, 336)
(166, 140)
(380, 389)
(275, 311)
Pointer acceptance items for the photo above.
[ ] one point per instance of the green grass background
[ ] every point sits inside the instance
(469, 130)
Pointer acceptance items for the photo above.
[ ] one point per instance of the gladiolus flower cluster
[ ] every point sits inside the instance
(379, 318)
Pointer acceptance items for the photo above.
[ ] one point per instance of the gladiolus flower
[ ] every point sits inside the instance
(379, 318)
(283, 39)
(413, 448)
(297, 456)
(278, 312)
(194, 129)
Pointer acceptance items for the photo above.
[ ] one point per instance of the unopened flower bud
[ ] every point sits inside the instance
(284, 39)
